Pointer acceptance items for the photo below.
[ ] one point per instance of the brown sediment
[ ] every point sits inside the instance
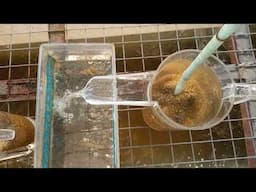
(198, 102)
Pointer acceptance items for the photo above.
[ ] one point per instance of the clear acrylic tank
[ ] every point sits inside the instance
(69, 131)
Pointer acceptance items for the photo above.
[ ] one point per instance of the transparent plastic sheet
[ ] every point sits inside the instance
(70, 132)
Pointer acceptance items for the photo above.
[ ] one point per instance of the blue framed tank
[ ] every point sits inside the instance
(70, 132)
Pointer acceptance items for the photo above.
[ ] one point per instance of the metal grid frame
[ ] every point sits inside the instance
(18, 73)
(132, 149)
(140, 146)
(20, 64)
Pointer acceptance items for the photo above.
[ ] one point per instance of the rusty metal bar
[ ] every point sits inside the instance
(17, 90)
(56, 33)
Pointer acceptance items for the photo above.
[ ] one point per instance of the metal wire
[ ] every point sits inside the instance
(18, 61)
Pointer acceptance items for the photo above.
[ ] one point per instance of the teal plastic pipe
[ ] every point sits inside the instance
(218, 39)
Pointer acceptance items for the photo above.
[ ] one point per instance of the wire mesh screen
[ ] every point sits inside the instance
(229, 144)
(141, 48)
(19, 47)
